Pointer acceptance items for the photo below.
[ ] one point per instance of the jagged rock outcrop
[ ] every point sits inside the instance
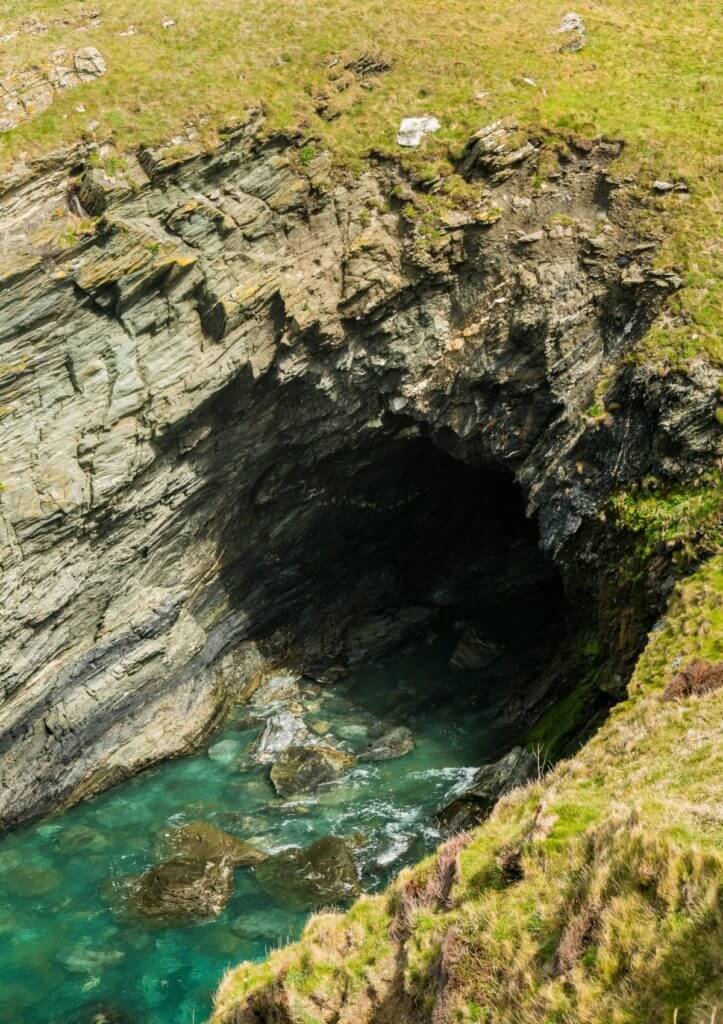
(207, 366)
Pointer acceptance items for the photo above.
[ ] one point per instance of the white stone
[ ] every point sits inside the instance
(412, 129)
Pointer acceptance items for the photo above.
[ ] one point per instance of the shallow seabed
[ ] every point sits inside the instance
(68, 946)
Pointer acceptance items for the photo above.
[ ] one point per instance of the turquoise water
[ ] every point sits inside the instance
(69, 947)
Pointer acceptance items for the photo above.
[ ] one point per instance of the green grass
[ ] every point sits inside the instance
(650, 74)
(686, 518)
(615, 915)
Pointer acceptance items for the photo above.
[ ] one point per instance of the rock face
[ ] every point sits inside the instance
(246, 395)
(490, 783)
(323, 874)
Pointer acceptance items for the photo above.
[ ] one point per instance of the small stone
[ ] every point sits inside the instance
(573, 27)
(320, 728)
(663, 186)
(168, 23)
(413, 129)
(533, 236)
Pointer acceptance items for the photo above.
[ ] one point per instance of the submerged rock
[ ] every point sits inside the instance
(201, 841)
(282, 730)
(322, 874)
(379, 634)
(490, 783)
(184, 887)
(301, 769)
(395, 743)
(474, 651)
(225, 751)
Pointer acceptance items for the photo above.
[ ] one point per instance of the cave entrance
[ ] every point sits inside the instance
(374, 547)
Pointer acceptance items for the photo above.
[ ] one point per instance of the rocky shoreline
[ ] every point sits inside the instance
(231, 364)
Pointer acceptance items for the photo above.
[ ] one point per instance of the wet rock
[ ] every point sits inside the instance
(184, 887)
(322, 874)
(379, 634)
(87, 960)
(280, 688)
(320, 728)
(201, 841)
(395, 743)
(301, 769)
(473, 651)
(282, 730)
(490, 783)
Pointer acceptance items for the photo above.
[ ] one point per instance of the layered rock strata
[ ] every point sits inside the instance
(215, 371)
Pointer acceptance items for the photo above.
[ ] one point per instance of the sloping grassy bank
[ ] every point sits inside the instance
(593, 895)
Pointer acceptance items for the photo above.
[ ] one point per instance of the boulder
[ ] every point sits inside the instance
(201, 841)
(322, 874)
(378, 634)
(473, 651)
(490, 783)
(282, 730)
(301, 769)
(184, 887)
(279, 688)
(395, 743)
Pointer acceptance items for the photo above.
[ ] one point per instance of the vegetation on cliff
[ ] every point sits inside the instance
(349, 72)
(592, 895)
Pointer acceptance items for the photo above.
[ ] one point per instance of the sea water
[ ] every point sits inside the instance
(70, 948)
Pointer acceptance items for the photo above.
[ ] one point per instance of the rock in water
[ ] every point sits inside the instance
(395, 743)
(183, 887)
(225, 751)
(301, 769)
(322, 874)
(473, 651)
(198, 840)
(490, 783)
(277, 689)
(282, 731)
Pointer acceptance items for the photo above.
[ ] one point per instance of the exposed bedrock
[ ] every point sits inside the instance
(252, 400)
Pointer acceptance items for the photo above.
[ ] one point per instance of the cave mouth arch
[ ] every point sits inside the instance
(372, 546)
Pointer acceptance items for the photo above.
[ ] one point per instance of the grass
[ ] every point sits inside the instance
(650, 74)
(686, 518)
(613, 913)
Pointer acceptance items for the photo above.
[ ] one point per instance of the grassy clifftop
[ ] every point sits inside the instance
(648, 74)
(593, 895)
